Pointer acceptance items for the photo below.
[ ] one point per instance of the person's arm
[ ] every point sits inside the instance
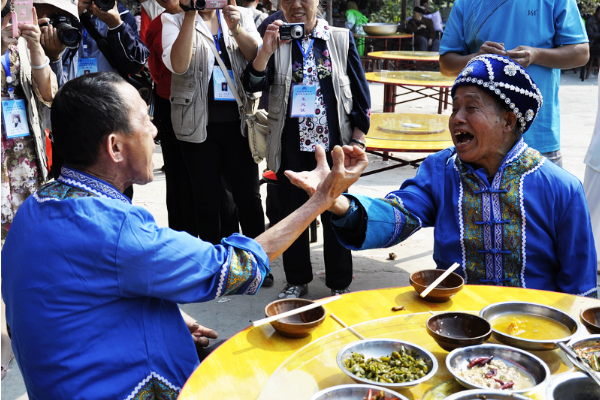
(254, 81)
(42, 77)
(451, 63)
(54, 50)
(179, 50)
(361, 95)
(411, 26)
(563, 57)
(246, 36)
(129, 52)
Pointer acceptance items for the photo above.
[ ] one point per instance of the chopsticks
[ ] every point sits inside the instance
(439, 280)
(295, 311)
(339, 321)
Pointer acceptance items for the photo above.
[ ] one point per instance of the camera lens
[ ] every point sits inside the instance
(69, 36)
(105, 5)
(296, 32)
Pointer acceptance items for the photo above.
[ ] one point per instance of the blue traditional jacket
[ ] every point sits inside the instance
(529, 227)
(91, 286)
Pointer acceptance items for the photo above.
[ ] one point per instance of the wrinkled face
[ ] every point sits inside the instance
(171, 6)
(297, 11)
(138, 145)
(417, 15)
(481, 132)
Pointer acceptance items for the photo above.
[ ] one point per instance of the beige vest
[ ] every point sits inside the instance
(279, 93)
(189, 106)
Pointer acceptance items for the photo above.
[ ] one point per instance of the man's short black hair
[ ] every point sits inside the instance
(84, 111)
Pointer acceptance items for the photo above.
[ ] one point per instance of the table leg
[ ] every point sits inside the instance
(446, 95)
(388, 98)
(440, 100)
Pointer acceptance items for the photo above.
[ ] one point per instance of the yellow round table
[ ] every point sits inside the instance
(258, 363)
(408, 60)
(396, 36)
(405, 132)
(427, 80)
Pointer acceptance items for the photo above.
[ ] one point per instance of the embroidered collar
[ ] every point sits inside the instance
(72, 177)
(512, 155)
(321, 30)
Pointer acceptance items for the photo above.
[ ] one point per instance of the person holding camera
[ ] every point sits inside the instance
(327, 104)
(205, 115)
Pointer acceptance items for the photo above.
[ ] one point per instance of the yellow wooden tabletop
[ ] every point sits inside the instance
(258, 363)
(398, 35)
(406, 55)
(409, 132)
(412, 78)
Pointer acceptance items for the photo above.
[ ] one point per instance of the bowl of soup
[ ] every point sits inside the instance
(497, 367)
(529, 326)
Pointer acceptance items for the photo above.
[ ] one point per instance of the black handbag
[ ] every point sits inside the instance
(142, 81)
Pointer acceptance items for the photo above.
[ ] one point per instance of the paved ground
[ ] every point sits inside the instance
(371, 268)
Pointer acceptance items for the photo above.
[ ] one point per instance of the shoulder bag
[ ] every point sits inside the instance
(258, 126)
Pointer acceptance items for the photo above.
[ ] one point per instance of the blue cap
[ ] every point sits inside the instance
(506, 80)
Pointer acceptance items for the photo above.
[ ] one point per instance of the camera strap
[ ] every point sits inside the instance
(305, 56)
(102, 43)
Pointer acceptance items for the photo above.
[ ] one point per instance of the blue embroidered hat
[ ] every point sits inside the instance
(508, 81)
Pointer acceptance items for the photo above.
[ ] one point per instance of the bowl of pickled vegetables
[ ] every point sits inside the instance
(390, 363)
(588, 349)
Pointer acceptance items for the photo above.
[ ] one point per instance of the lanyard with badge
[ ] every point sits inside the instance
(86, 65)
(220, 86)
(304, 96)
(14, 113)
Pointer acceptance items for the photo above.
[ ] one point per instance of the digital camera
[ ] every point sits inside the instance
(105, 5)
(291, 31)
(68, 30)
(209, 4)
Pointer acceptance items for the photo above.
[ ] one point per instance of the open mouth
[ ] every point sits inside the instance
(463, 138)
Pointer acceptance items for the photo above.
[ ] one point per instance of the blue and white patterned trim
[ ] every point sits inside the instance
(460, 222)
(147, 379)
(398, 225)
(223, 275)
(81, 180)
(43, 199)
(255, 284)
(524, 220)
(588, 292)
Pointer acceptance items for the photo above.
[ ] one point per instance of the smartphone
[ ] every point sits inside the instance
(216, 4)
(22, 14)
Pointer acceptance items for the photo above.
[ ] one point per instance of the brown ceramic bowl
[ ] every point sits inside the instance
(444, 291)
(591, 319)
(295, 326)
(452, 330)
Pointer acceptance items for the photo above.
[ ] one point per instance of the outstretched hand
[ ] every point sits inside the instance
(348, 164)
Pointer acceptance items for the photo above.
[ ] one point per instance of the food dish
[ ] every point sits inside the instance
(497, 310)
(572, 386)
(530, 326)
(295, 326)
(588, 349)
(354, 391)
(380, 28)
(444, 291)
(591, 319)
(452, 330)
(383, 347)
(526, 364)
(480, 394)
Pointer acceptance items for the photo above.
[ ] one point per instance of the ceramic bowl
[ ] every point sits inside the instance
(532, 365)
(452, 330)
(495, 310)
(444, 291)
(295, 326)
(482, 394)
(380, 28)
(355, 391)
(374, 348)
(572, 386)
(591, 319)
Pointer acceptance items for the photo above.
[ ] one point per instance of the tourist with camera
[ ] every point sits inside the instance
(324, 68)
(205, 115)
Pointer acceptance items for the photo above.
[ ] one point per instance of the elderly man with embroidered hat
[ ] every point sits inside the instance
(499, 208)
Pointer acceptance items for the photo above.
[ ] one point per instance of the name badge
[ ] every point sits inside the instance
(221, 86)
(304, 98)
(87, 66)
(14, 117)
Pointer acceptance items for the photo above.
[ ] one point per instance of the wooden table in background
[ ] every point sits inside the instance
(397, 36)
(389, 133)
(258, 363)
(408, 60)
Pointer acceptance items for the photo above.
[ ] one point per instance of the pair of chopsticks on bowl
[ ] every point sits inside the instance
(316, 304)
(439, 280)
